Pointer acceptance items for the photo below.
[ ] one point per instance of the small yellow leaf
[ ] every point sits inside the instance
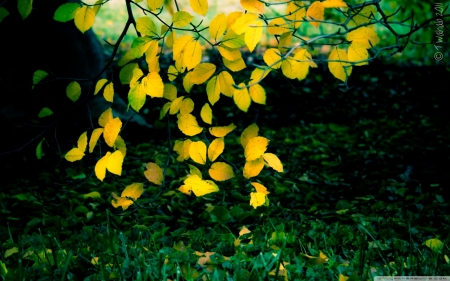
(188, 125)
(226, 83)
(273, 161)
(192, 54)
(244, 230)
(152, 54)
(242, 24)
(221, 131)
(175, 106)
(206, 114)
(257, 199)
(215, 149)
(303, 60)
(232, 17)
(197, 152)
(73, 91)
(154, 173)
(236, 65)
(254, 34)
(255, 148)
(221, 171)
(82, 142)
(179, 45)
(364, 35)
(182, 148)
(342, 277)
(105, 117)
(108, 92)
(213, 90)
(229, 54)
(199, 6)
(153, 85)
(358, 52)
(114, 163)
(185, 189)
(187, 83)
(218, 26)
(259, 74)
(253, 168)
(340, 70)
(272, 57)
(153, 5)
(284, 42)
(202, 72)
(242, 98)
(277, 26)
(334, 4)
(120, 201)
(134, 191)
(74, 154)
(137, 97)
(289, 67)
(364, 15)
(249, 133)
(99, 85)
(258, 94)
(194, 170)
(100, 167)
(170, 92)
(253, 6)
(260, 188)
(112, 130)
(84, 18)
(315, 12)
(186, 106)
(164, 110)
(295, 14)
(181, 19)
(200, 187)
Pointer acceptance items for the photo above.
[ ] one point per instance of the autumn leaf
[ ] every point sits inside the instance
(255, 148)
(249, 133)
(215, 149)
(242, 98)
(192, 54)
(175, 105)
(253, 168)
(289, 67)
(84, 18)
(295, 14)
(221, 131)
(170, 92)
(357, 52)
(213, 90)
(108, 92)
(272, 57)
(181, 19)
(99, 85)
(257, 199)
(253, 6)
(182, 148)
(364, 35)
(273, 161)
(187, 83)
(202, 72)
(153, 85)
(221, 171)
(206, 114)
(277, 26)
(303, 59)
(105, 117)
(154, 173)
(218, 26)
(188, 125)
(226, 83)
(74, 154)
(114, 162)
(197, 152)
(120, 145)
(259, 74)
(82, 142)
(364, 15)
(194, 170)
(186, 106)
(340, 70)
(334, 4)
(153, 5)
(136, 97)
(100, 166)
(199, 6)
(112, 129)
(315, 12)
(242, 24)
(254, 34)
(200, 187)
(236, 65)
(73, 91)
(133, 191)
(258, 94)
(229, 53)
(146, 26)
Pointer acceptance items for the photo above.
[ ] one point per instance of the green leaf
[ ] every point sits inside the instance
(3, 13)
(146, 26)
(73, 91)
(66, 12)
(38, 75)
(181, 19)
(25, 7)
(220, 214)
(45, 112)
(39, 149)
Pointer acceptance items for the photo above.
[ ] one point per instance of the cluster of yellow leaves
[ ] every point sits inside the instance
(110, 128)
(130, 194)
(84, 16)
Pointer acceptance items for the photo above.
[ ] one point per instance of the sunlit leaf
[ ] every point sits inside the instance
(114, 162)
(188, 125)
(112, 129)
(45, 112)
(315, 12)
(105, 117)
(253, 6)
(254, 34)
(182, 148)
(249, 133)
(277, 26)
(272, 57)
(218, 26)
(229, 54)
(126, 73)
(181, 19)
(136, 97)
(82, 142)
(226, 83)
(233, 40)
(364, 15)
(221, 131)
(154, 173)
(255, 148)
(175, 106)
(232, 17)
(197, 152)
(170, 92)
(289, 67)
(200, 187)
(340, 70)
(94, 138)
(242, 24)
(73, 91)
(242, 98)
(236, 65)
(66, 12)
(221, 171)
(154, 5)
(202, 72)
(108, 92)
(334, 4)
(194, 170)
(258, 94)
(364, 35)
(295, 14)
(185, 189)
(186, 106)
(99, 85)
(273, 161)
(146, 26)
(259, 74)
(100, 167)
(74, 154)
(199, 6)
(257, 199)
(187, 83)
(192, 54)
(133, 191)
(213, 90)
(206, 114)
(303, 59)
(358, 52)
(84, 18)
(153, 85)
(215, 149)
(434, 244)
(253, 168)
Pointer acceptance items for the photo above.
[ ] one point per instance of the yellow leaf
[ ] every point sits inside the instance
(192, 54)
(358, 52)
(186, 106)
(241, 98)
(365, 36)
(112, 130)
(182, 148)
(137, 97)
(84, 18)
(206, 114)
(277, 26)
(200, 187)
(99, 85)
(342, 277)
(187, 83)
(213, 91)
(154, 4)
(152, 52)
(242, 24)
(253, 6)
(74, 154)
(134, 191)
(170, 92)
(188, 125)
(218, 26)
(273, 161)
(303, 59)
(114, 162)
(179, 45)
(233, 40)
(10, 252)
(340, 70)
(260, 188)
(259, 74)
(215, 149)
(126, 58)
(236, 65)
(154, 173)
(170, 38)
(334, 4)
(257, 199)
(120, 145)
(258, 94)
(255, 148)
(221, 171)
(24, 7)
(226, 83)
(105, 117)
(194, 170)
(73, 91)
(82, 142)
(364, 15)
(221, 131)
(197, 152)
(254, 34)
(199, 6)
(153, 85)
(284, 42)
(249, 133)
(120, 201)
(100, 167)
(137, 74)
(202, 72)
(108, 92)
(289, 67)
(181, 19)
(232, 17)
(164, 110)
(146, 26)
(253, 168)
(229, 54)
(295, 14)
(315, 12)
(434, 244)
(272, 57)
(126, 73)
(185, 189)
(175, 106)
